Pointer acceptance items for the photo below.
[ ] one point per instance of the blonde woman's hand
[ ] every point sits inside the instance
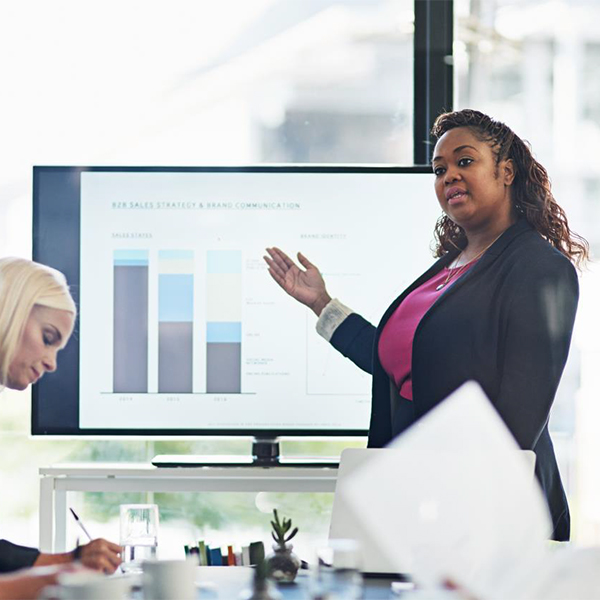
(100, 555)
(303, 283)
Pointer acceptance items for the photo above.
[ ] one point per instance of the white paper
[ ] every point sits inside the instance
(566, 574)
(455, 499)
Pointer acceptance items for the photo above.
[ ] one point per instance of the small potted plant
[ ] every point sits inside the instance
(283, 564)
(262, 588)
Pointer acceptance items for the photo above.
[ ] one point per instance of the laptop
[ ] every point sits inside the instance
(345, 525)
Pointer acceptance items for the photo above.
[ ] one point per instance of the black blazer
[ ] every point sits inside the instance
(13, 557)
(507, 324)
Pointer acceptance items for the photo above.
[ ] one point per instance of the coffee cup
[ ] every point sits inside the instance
(168, 579)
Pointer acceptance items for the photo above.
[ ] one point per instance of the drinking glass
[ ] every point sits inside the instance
(336, 573)
(139, 535)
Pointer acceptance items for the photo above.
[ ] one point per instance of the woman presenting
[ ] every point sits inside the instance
(37, 314)
(497, 306)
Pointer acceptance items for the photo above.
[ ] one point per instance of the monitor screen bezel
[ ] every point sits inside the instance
(45, 251)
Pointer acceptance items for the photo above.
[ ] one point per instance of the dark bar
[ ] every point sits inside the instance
(175, 350)
(223, 368)
(130, 342)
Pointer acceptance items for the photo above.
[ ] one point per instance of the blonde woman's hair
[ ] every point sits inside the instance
(23, 285)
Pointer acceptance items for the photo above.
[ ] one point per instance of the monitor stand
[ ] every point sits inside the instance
(265, 453)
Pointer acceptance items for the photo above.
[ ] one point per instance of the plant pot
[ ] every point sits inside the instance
(264, 590)
(282, 564)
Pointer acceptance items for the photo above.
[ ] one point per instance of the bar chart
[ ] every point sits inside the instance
(169, 277)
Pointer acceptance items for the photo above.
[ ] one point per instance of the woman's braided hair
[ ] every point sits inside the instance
(531, 189)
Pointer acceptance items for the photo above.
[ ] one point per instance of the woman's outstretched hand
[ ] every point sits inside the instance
(307, 286)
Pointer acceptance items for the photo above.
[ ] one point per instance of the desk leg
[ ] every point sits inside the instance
(47, 513)
(60, 520)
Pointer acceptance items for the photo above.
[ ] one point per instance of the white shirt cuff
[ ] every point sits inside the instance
(331, 318)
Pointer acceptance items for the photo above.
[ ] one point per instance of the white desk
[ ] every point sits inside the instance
(57, 480)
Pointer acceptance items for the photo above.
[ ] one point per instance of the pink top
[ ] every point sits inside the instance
(396, 340)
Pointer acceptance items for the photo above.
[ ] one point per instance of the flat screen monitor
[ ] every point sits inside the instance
(181, 330)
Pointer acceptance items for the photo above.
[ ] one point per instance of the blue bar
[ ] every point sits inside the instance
(131, 257)
(175, 254)
(221, 332)
(175, 298)
(224, 261)
(130, 263)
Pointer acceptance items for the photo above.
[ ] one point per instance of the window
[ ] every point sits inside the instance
(251, 81)
(188, 83)
(532, 64)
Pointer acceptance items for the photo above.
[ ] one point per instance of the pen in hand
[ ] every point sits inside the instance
(87, 533)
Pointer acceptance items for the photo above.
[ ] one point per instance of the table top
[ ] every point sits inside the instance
(220, 583)
(146, 469)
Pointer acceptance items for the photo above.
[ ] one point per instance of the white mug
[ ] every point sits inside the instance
(168, 579)
(87, 585)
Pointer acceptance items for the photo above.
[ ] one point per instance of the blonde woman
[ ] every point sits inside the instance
(37, 315)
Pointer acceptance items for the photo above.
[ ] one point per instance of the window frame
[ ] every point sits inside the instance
(433, 71)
